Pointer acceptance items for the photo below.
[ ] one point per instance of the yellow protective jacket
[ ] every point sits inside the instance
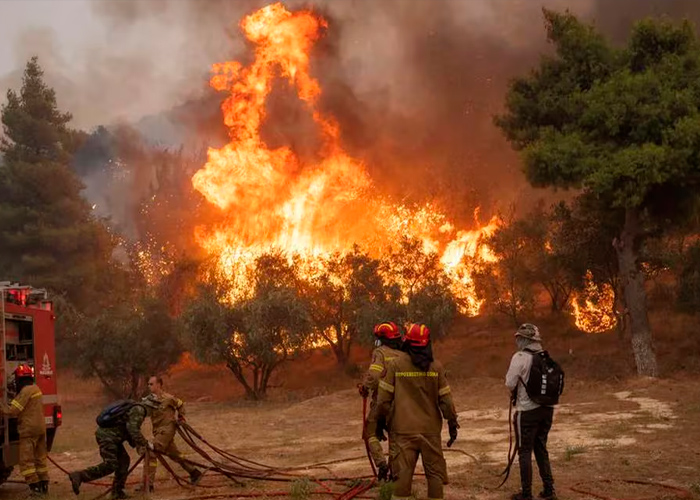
(29, 410)
(166, 416)
(420, 399)
(381, 356)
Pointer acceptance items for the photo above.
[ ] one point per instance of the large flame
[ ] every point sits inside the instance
(271, 199)
(594, 307)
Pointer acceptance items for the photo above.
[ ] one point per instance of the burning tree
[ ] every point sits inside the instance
(348, 296)
(623, 124)
(254, 335)
(314, 206)
(507, 283)
(427, 292)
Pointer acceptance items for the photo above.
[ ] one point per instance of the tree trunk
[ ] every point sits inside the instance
(635, 295)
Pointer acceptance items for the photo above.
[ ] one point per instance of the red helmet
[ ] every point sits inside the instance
(24, 370)
(417, 335)
(387, 330)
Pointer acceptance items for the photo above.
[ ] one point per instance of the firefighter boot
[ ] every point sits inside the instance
(76, 479)
(35, 489)
(195, 476)
(44, 485)
(547, 494)
(119, 494)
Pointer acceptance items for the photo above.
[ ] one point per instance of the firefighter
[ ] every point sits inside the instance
(415, 395)
(29, 410)
(532, 421)
(388, 341)
(124, 426)
(171, 410)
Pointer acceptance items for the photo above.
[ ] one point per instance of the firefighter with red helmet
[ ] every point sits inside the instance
(415, 396)
(388, 342)
(28, 408)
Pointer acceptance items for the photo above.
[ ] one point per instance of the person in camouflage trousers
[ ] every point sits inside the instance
(29, 411)
(388, 341)
(416, 395)
(171, 410)
(115, 459)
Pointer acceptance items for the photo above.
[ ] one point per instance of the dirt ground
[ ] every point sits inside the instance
(606, 429)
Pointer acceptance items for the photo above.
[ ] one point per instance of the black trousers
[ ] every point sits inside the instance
(531, 431)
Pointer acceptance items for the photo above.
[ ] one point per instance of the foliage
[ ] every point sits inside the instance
(126, 343)
(418, 278)
(689, 280)
(623, 124)
(347, 297)
(507, 285)
(256, 335)
(48, 235)
(301, 489)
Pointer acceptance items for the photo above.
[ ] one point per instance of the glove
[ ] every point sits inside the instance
(364, 392)
(379, 433)
(453, 433)
(383, 472)
(150, 446)
(140, 450)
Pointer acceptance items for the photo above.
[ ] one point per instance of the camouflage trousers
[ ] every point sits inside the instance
(164, 442)
(32, 458)
(115, 459)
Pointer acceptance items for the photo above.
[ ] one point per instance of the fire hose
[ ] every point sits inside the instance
(365, 437)
(513, 448)
(219, 461)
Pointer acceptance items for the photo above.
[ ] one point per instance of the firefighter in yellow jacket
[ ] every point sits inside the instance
(164, 420)
(415, 395)
(388, 341)
(31, 426)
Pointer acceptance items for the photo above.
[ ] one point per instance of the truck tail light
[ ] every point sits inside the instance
(57, 415)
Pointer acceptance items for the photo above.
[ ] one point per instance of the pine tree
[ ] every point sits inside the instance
(48, 235)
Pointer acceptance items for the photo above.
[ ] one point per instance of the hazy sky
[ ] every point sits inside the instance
(71, 21)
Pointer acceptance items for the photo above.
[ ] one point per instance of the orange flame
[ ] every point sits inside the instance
(272, 200)
(594, 307)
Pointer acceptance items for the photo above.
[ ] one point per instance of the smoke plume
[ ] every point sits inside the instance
(414, 83)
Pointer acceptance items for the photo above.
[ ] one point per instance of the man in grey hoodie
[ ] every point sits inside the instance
(532, 421)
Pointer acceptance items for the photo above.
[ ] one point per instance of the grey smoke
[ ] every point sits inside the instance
(414, 83)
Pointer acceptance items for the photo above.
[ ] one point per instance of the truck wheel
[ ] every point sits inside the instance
(5, 473)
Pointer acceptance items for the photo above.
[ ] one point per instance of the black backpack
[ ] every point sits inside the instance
(112, 415)
(546, 382)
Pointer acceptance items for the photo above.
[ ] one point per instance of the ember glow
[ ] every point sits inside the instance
(594, 307)
(273, 200)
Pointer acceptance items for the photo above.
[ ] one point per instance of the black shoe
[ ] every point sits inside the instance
(195, 476)
(547, 495)
(119, 494)
(76, 480)
(520, 496)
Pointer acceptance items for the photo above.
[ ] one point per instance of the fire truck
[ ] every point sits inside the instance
(27, 332)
